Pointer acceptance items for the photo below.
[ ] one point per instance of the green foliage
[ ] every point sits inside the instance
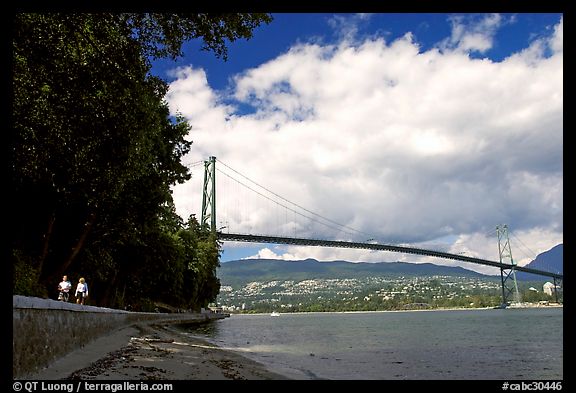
(531, 296)
(94, 153)
(202, 251)
(25, 277)
(161, 35)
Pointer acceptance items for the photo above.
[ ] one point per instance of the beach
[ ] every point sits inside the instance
(153, 352)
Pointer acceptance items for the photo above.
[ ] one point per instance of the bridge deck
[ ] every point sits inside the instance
(381, 247)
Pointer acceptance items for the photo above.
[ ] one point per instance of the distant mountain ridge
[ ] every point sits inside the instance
(246, 270)
(551, 261)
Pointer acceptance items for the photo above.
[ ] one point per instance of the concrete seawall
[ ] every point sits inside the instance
(45, 329)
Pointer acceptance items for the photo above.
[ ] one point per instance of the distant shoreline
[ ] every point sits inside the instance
(423, 309)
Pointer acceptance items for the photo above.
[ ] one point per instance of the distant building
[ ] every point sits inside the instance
(548, 288)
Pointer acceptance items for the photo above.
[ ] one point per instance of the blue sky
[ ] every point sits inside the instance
(271, 40)
(419, 129)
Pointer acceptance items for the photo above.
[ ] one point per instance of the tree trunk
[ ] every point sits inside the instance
(77, 247)
(46, 245)
(105, 299)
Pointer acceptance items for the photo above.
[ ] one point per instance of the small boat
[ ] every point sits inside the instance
(275, 314)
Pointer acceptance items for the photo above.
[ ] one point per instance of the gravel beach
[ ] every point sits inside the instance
(153, 352)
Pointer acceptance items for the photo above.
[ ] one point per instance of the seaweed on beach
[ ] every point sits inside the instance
(123, 355)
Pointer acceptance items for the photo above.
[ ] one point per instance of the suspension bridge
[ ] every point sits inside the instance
(247, 228)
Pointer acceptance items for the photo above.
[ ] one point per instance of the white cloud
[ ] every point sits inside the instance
(191, 96)
(557, 40)
(267, 253)
(536, 53)
(477, 35)
(347, 27)
(402, 144)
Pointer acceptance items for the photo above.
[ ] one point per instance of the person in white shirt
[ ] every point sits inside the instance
(81, 291)
(64, 289)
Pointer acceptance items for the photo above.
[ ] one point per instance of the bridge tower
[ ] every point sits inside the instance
(506, 275)
(209, 194)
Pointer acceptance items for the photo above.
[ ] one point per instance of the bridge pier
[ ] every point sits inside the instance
(509, 273)
(556, 280)
(209, 194)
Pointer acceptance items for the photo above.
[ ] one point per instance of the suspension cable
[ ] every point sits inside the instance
(295, 204)
(278, 203)
(534, 255)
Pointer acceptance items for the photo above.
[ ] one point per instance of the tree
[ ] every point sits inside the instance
(93, 150)
(202, 251)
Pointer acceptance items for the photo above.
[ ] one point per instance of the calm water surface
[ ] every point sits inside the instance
(522, 344)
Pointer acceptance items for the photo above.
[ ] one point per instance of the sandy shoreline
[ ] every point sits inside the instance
(153, 352)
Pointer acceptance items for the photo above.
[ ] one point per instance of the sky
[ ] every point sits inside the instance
(426, 130)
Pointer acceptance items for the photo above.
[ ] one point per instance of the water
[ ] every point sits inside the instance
(520, 344)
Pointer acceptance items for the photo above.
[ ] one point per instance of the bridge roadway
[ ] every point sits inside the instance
(381, 247)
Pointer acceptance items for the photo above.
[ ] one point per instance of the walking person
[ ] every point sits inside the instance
(64, 289)
(81, 291)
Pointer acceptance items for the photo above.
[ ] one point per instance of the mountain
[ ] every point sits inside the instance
(242, 271)
(551, 261)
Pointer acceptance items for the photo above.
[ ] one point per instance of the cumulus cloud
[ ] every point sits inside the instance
(401, 144)
(191, 96)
